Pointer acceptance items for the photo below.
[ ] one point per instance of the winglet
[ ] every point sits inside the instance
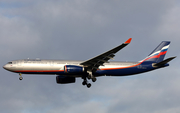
(128, 41)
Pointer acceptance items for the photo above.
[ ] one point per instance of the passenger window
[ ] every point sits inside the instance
(9, 62)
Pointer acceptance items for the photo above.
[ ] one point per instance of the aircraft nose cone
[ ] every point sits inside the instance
(5, 67)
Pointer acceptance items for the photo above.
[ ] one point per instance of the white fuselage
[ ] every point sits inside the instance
(31, 66)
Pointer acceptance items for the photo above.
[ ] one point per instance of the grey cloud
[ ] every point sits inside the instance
(79, 30)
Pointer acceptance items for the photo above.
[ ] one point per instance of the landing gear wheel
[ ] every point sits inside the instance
(88, 85)
(84, 83)
(20, 78)
(94, 79)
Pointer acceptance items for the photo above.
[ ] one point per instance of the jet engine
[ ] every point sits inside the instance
(65, 80)
(73, 69)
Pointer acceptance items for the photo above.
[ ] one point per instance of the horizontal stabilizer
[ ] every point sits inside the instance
(164, 61)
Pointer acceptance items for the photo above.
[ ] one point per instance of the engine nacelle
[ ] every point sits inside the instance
(73, 69)
(65, 80)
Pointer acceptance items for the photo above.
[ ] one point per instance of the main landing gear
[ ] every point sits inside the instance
(20, 78)
(90, 76)
(85, 82)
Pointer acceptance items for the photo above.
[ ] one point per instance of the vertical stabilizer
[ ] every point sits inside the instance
(158, 54)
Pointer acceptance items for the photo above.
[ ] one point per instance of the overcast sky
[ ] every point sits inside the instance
(82, 29)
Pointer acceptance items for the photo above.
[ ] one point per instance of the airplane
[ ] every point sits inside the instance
(67, 71)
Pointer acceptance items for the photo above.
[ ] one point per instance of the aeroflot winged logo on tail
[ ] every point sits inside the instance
(67, 71)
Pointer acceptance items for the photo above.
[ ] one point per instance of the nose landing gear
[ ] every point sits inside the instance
(20, 78)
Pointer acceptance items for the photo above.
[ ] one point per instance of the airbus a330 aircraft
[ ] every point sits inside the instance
(68, 71)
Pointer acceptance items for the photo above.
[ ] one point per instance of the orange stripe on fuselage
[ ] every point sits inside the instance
(39, 71)
(156, 56)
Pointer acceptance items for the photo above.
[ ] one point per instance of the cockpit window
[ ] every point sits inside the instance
(9, 62)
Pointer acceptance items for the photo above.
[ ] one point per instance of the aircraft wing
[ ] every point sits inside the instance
(94, 63)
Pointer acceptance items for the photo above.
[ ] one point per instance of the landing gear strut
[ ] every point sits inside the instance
(90, 76)
(20, 78)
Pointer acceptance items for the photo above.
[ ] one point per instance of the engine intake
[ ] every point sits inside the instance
(65, 80)
(73, 69)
